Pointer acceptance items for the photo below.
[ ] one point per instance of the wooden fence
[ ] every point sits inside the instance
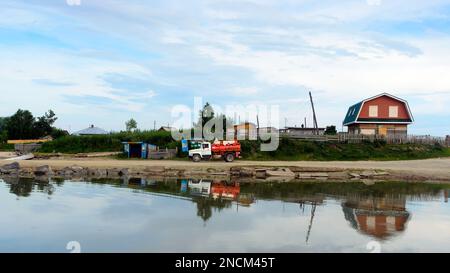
(390, 139)
(26, 148)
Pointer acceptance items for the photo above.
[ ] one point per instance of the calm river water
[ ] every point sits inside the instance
(140, 215)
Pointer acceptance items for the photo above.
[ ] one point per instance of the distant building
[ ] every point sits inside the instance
(301, 131)
(91, 131)
(383, 114)
(167, 129)
(246, 130)
(268, 130)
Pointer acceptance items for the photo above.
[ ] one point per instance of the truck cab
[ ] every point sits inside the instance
(202, 151)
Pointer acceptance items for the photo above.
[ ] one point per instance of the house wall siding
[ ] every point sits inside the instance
(379, 129)
(383, 104)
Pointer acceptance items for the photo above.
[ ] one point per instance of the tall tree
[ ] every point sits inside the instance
(43, 126)
(331, 130)
(208, 116)
(20, 125)
(131, 125)
(2, 123)
(23, 125)
(3, 132)
(204, 116)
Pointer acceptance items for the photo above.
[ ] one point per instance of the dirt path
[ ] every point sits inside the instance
(428, 167)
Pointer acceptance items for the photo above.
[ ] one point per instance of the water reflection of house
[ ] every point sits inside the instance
(378, 217)
(246, 199)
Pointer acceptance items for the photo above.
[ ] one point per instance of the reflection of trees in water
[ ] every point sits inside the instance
(357, 198)
(24, 187)
(205, 206)
(292, 190)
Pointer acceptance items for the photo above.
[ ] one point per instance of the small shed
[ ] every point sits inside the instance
(137, 149)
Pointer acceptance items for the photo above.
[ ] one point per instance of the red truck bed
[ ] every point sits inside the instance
(225, 147)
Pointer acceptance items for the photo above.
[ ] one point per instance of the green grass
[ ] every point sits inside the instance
(305, 150)
(446, 152)
(288, 149)
(107, 143)
(4, 147)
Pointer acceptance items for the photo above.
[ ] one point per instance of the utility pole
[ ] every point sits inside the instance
(314, 114)
(313, 212)
(257, 122)
(154, 125)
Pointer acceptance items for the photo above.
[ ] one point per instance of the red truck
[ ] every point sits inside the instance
(228, 150)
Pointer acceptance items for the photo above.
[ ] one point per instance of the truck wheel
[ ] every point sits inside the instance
(196, 158)
(229, 157)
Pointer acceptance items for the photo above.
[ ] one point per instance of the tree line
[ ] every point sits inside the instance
(23, 125)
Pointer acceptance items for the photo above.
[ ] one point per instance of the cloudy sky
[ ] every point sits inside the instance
(103, 62)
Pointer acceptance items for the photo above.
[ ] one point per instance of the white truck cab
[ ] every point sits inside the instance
(202, 152)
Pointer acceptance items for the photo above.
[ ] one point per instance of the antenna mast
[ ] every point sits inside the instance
(314, 114)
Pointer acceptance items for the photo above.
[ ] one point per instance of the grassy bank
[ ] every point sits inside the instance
(107, 143)
(288, 149)
(4, 147)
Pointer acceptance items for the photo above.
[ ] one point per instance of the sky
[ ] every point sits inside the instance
(104, 62)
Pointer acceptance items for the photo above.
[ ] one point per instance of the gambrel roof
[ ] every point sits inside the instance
(355, 110)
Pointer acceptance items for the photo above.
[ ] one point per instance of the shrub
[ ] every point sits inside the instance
(107, 143)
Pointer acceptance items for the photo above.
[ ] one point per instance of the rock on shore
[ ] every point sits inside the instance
(235, 172)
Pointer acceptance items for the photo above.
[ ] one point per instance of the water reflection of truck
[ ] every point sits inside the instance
(217, 190)
(201, 187)
(226, 191)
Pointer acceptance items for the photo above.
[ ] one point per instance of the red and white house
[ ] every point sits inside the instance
(383, 114)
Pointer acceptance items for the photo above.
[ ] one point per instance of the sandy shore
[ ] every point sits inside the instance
(434, 169)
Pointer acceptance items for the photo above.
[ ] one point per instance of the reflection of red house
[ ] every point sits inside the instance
(228, 191)
(383, 114)
(380, 218)
(382, 225)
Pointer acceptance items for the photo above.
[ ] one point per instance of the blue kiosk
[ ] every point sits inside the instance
(135, 149)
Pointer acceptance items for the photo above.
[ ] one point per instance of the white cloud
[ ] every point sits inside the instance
(19, 71)
(73, 2)
(340, 50)
(244, 91)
